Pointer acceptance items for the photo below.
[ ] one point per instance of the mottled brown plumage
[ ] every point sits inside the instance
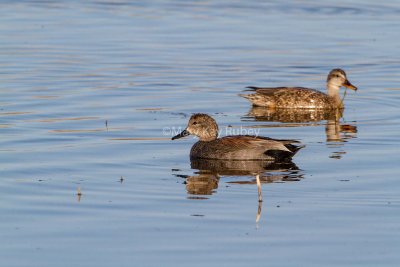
(238, 147)
(300, 97)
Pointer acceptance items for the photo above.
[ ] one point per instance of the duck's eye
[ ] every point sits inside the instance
(194, 123)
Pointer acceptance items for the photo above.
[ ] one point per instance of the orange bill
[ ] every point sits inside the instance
(349, 85)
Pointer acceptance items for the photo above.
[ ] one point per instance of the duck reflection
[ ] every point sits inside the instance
(205, 181)
(337, 132)
(242, 168)
(209, 171)
(292, 115)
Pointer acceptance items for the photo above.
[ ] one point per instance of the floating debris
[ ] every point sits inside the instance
(79, 194)
(259, 188)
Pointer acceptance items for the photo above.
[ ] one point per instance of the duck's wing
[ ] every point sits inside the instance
(291, 144)
(274, 148)
(270, 91)
(243, 142)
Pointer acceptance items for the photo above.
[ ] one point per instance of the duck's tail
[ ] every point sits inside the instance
(284, 155)
(259, 100)
(293, 148)
(249, 97)
(252, 88)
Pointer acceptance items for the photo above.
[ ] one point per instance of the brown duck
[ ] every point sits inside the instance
(237, 147)
(300, 97)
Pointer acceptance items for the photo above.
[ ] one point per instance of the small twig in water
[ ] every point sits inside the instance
(79, 194)
(259, 188)
(258, 212)
(344, 95)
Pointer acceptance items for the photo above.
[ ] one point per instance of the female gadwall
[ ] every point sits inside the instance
(237, 147)
(299, 97)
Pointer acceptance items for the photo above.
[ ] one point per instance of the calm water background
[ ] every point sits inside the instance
(89, 91)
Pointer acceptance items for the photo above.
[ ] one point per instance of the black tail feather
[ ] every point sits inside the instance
(293, 148)
(253, 88)
(281, 155)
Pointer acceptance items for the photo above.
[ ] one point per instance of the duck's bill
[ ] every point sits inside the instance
(349, 85)
(182, 134)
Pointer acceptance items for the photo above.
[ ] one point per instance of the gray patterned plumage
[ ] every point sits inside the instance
(238, 147)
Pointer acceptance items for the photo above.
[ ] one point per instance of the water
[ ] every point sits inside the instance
(90, 94)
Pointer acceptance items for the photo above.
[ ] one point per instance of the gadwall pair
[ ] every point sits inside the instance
(246, 147)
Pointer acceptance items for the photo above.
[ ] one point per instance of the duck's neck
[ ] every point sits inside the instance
(333, 92)
(206, 139)
(209, 134)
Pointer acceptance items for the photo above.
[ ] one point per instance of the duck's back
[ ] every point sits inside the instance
(290, 97)
(244, 147)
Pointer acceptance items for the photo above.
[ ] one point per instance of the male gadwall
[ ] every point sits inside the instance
(237, 147)
(299, 97)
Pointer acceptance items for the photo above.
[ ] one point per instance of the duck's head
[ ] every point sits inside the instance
(337, 78)
(201, 125)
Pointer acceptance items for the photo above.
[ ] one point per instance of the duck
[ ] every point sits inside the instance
(235, 147)
(300, 97)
